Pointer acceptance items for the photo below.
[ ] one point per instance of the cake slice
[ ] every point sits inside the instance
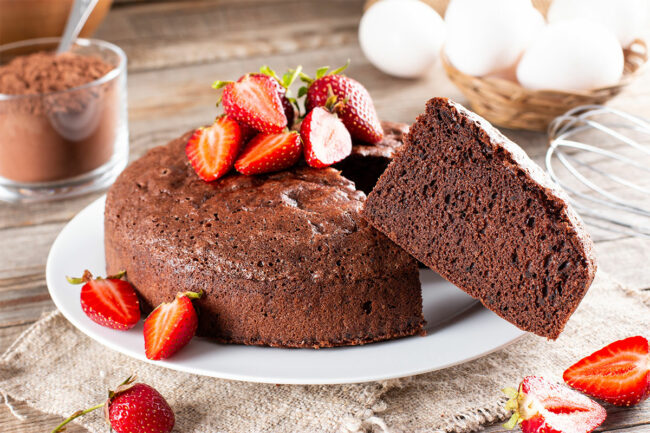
(471, 205)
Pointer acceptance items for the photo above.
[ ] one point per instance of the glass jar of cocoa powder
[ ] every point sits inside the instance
(63, 118)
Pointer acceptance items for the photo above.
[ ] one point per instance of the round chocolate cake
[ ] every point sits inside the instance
(284, 259)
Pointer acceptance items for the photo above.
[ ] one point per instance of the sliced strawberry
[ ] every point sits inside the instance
(287, 106)
(541, 406)
(170, 326)
(212, 150)
(357, 110)
(269, 152)
(326, 140)
(254, 101)
(618, 373)
(110, 302)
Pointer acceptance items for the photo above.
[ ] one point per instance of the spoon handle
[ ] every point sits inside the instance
(79, 13)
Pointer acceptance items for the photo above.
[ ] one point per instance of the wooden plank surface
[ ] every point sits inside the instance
(176, 49)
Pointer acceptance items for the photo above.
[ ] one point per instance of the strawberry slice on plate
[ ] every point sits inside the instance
(541, 406)
(170, 326)
(269, 152)
(212, 150)
(254, 100)
(110, 302)
(325, 139)
(619, 373)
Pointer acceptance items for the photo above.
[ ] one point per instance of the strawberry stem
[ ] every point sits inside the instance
(87, 276)
(305, 78)
(117, 276)
(192, 295)
(75, 415)
(219, 84)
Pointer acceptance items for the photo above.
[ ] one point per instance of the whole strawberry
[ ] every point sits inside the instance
(357, 110)
(132, 408)
(140, 409)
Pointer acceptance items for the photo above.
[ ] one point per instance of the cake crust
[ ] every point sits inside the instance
(470, 204)
(284, 259)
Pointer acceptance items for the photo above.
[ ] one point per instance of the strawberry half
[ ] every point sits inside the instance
(357, 111)
(326, 140)
(618, 373)
(541, 406)
(170, 326)
(253, 100)
(212, 150)
(110, 302)
(282, 85)
(269, 152)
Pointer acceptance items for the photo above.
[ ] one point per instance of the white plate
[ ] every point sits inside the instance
(458, 328)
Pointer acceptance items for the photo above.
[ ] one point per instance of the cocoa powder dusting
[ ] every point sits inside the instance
(46, 72)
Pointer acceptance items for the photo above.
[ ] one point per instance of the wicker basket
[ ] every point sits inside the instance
(508, 104)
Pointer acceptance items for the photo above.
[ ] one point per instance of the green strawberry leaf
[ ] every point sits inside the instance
(290, 76)
(302, 91)
(320, 72)
(512, 422)
(305, 78)
(266, 70)
(341, 69)
(219, 84)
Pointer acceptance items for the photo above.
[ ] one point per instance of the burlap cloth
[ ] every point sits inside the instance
(56, 369)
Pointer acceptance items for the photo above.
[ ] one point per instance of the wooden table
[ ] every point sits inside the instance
(176, 49)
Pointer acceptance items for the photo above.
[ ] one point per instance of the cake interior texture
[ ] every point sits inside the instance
(469, 203)
(283, 259)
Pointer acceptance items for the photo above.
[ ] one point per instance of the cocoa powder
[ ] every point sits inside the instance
(52, 127)
(48, 72)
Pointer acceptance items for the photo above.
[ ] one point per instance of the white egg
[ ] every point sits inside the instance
(628, 19)
(572, 55)
(488, 37)
(402, 37)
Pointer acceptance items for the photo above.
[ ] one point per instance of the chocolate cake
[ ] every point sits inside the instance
(469, 203)
(368, 161)
(284, 259)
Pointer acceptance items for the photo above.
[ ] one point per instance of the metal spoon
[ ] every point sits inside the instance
(79, 13)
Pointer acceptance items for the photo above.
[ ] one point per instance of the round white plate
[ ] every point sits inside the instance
(458, 328)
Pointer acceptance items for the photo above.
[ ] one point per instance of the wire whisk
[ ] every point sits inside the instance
(601, 157)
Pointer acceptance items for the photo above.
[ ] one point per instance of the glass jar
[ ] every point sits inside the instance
(64, 143)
